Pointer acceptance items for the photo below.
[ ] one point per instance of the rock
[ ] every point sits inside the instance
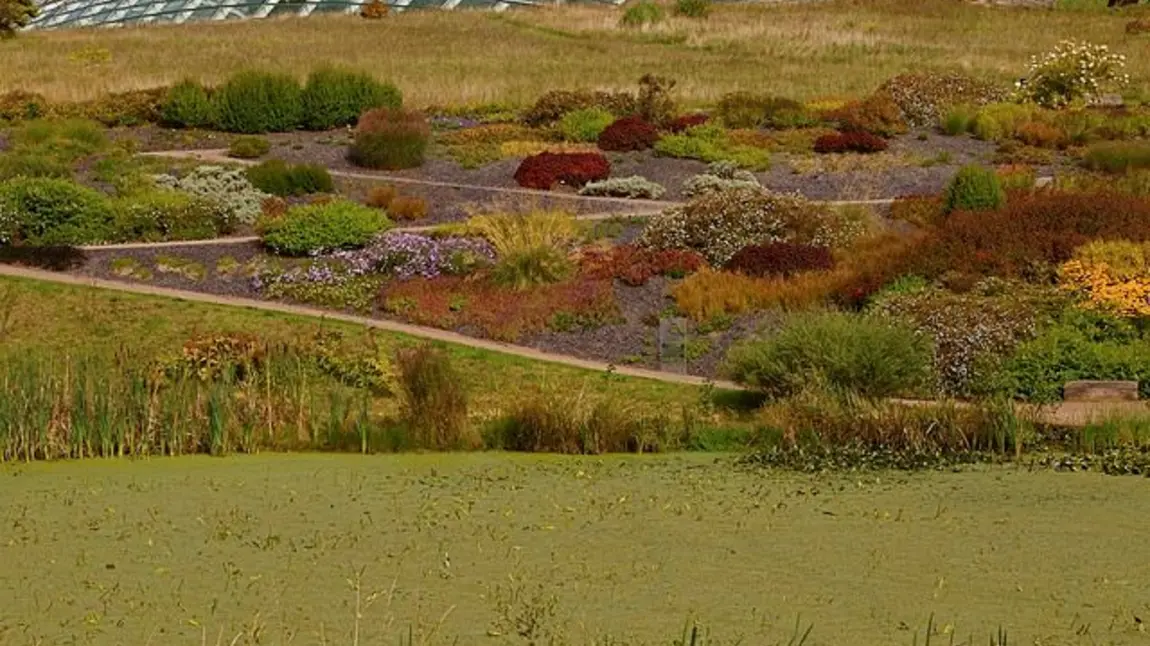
(1110, 101)
(1093, 391)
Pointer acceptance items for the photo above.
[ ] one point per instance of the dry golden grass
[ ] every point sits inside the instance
(807, 51)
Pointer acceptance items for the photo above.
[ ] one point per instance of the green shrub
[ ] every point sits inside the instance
(642, 14)
(974, 188)
(249, 147)
(958, 120)
(710, 143)
(389, 139)
(258, 102)
(1117, 157)
(277, 177)
(49, 211)
(318, 228)
(529, 267)
(585, 126)
(749, 111)
(28, 163)
(551, 107)
(693, 8)
(333, 98)
(67, 140)
(157, 214)
(998, 121)
(188, 105)
(842, 352)
(433, 400)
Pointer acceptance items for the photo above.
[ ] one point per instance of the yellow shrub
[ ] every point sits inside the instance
(511, 234)
(1111, 275)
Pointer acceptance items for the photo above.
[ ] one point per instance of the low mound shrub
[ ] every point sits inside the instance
(780, 259)
(628, 134)
(334, 98)
(1117, 157)
(545, 170)
(842, 352)
(642, 14)
(919, 210)
(877, 114)
(387, 139)
(277, 177)
(712, 143)
(635, 266)
(551, 107)
(227, 186)
(1041, 135)
(720, 176)
(634, 188)
(158, 214)
(187, 105)
(249, 147)
(974, 188)
(717, 224)
(685, 122)
(924, 99)
(584, 125)
(407, 209)
(850, 142)
(45, 211)
(1111, 275)
(749, 111)
(312, 229)
(258, 102)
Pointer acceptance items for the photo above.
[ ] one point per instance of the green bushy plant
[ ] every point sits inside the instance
(333, 97)
(279, 178)
(958, 120)
(1073, 72)
(65, 141)
(187, 104)
(227, 186)
(974, 188)
(313, 229)
(257, 102)
(710, 143)
(1117, 157)
(51, 211)
(642, 14)
(634, 187)
(749, 110)
(433, 399)
(585, 125)
(159, 214)
(249, 147)
(842, 352)
(389, 139)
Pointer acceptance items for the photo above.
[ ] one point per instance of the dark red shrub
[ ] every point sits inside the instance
(850, 142)
(544, 170)
(634, 266)
(628, 133)
(685, 122)
(1034, 231)
(780, 259)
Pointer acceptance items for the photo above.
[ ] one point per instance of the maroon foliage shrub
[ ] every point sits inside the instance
(628, 133)
(546, 169)
(1031, 234)
(850, 142)
(686, 122)
(780, 259)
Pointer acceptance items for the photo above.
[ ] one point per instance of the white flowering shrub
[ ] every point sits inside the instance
(720, 176)
(228, 187)
(717, 224)
(1074, 72)
(634, 187)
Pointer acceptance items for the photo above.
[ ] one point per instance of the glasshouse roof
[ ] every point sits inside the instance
(91, 13)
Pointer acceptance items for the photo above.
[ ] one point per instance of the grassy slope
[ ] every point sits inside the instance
(37, 315)
(807, 50)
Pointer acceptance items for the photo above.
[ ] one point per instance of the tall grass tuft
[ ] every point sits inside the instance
(434, 401)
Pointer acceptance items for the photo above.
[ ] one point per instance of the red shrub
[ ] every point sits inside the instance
(546, 169)
(628, 133)
(850, 142)
(877, 114)
(635, 266)
(1031, 233)
(779, 259)
(685, 122)
(500, 313)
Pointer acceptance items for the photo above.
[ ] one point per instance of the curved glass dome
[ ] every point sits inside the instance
(93, 13)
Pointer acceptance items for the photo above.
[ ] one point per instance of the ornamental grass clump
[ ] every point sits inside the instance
(1072, 73)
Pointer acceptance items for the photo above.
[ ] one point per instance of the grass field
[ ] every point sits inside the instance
(804, 50)
(47, 317)
(459, 548)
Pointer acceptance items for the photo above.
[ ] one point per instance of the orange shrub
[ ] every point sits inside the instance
(380, 197)
(407, 208)
(1040, 135)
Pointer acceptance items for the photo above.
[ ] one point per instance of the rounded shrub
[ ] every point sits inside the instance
(693, 8)
(313, 229)
(51, 211)
(545, 170)
(188, 105)
(974, 188)
(333, 98)
(585, 125)
(258, 102)
(249, 147)
(628, 134)
(850, 142)
(388, 139)
(277, 177)
(642, 14)
(780, 259)
(159, 214)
